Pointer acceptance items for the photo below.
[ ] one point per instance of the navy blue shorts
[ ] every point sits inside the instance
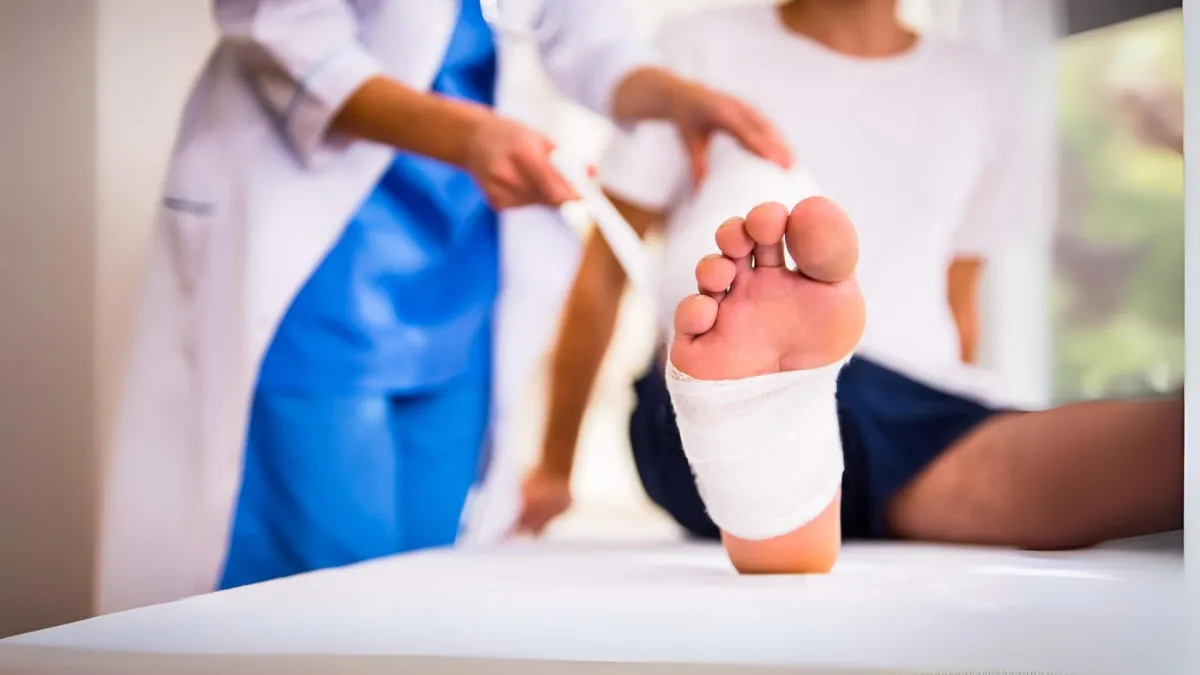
(892, 428)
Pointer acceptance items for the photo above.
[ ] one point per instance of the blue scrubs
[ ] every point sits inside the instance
(372, 402)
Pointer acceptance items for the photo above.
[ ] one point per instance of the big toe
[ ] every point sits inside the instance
(822, 241)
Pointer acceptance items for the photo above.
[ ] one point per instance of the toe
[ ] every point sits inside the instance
(714, 275)
(733, 240)
(766, 224)
(822, 240)
(695, 315)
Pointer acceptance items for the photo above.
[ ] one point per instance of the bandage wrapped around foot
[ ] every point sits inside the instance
(766, 451)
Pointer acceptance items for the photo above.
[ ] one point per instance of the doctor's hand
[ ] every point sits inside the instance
(512, 165)
(698, 112)
(545, 496)
(509, 161)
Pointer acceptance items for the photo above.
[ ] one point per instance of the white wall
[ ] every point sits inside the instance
(91, 91)
(47, 151)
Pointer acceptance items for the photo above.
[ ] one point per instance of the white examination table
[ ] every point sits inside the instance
(537, 609)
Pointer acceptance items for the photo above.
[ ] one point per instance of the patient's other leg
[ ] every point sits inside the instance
(1063, 478)
(755, 317)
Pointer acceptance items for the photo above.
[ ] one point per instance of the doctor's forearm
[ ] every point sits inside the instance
(386, 111)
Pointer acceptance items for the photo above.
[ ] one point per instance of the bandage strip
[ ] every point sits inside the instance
(620, 236)
(766, 451)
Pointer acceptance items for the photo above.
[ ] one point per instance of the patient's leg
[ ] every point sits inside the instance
(753, 321)
(1063, 478)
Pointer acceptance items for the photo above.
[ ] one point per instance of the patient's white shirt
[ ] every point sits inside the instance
(912, 147)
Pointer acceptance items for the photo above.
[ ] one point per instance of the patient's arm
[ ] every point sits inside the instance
(963, 286)
(585, 332)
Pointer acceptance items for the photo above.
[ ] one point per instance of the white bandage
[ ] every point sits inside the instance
(624, 242)
(766, 451)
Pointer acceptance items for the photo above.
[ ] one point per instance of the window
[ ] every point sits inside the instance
(1118, 276)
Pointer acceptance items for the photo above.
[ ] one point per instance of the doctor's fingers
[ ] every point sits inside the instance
(697, 150)
(753, 130)
(507, 187)
(534, 164)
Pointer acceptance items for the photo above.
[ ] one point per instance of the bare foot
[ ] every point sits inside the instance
(753, 315)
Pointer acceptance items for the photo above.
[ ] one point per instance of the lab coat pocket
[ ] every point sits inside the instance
(188, 231)
(190, 209)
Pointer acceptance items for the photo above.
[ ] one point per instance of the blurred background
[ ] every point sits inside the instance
(90, 93)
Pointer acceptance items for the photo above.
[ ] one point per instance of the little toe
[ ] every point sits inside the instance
(695, 315)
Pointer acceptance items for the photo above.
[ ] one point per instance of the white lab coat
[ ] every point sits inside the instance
(256, 194)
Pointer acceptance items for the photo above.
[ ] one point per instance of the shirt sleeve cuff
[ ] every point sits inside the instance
(318, 99)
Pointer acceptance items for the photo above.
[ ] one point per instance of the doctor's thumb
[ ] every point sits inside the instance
(697, 150)
(554, 189)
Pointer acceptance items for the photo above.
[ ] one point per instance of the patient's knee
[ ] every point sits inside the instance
(977, 499)
(965, 498)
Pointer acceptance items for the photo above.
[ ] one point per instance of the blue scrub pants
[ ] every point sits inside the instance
(334, 480)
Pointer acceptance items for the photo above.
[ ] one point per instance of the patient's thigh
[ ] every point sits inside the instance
(1062, 478)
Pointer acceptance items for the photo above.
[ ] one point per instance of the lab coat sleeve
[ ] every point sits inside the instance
(589, 46)
(303, 59)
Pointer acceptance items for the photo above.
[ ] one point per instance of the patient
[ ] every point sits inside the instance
(911, 138)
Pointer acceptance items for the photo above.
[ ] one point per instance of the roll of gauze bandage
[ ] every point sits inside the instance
(766, 451)
(736, 182)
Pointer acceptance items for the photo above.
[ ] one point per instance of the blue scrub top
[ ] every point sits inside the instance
(404, 300)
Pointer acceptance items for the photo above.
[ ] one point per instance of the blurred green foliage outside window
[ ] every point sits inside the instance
(1117, 302)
